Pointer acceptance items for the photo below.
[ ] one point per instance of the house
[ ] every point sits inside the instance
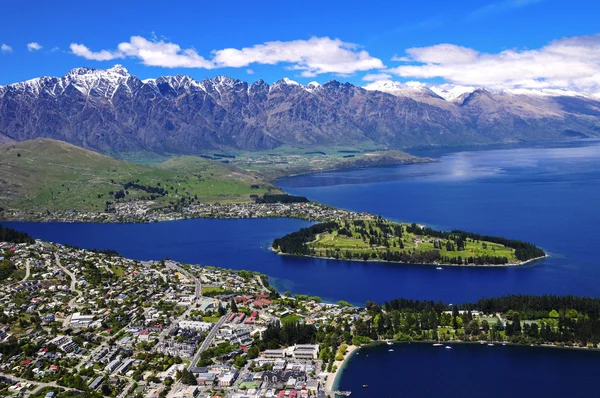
(227, 379)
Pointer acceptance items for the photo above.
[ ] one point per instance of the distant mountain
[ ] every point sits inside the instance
(111, 110)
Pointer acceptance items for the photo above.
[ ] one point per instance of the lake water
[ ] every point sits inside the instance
(547, 194)
(470, 371)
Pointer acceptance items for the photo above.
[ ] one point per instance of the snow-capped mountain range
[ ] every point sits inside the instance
(112, 110)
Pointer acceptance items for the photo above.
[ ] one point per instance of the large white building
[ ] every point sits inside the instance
(196, 325)
(306, 351)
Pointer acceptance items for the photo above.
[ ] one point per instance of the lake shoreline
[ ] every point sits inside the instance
(425, 264)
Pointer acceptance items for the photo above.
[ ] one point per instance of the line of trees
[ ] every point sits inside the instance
(295, 242)
(523, 250)
(281, 198)
(568, 320)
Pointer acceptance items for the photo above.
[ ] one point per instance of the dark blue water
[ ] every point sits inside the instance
(470, 371)
(546, 194)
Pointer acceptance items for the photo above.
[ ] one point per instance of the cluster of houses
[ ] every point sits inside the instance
(146, 211)
(122, 323)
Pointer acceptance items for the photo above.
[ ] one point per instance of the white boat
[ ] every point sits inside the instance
(448, 347)
(439, 268)
(391, 350)
(390, 343)
(490, 345)
(437, 344)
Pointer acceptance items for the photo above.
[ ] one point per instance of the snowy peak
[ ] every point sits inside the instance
(452, 93)
(119, 69)
(401, 90)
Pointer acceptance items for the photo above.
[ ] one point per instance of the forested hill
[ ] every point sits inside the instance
(382, 240)
(12, 236)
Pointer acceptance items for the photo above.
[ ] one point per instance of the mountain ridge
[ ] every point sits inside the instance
(112, 110)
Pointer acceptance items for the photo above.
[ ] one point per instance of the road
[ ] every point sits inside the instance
(27, 270)
(73, 288)
(208, 340)
(174, 266)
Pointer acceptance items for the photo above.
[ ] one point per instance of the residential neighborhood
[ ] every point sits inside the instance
(144, 211)
(86, 323)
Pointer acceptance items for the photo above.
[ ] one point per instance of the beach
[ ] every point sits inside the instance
(331, 383)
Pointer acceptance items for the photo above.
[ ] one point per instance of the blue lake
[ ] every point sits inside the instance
(544, 193)
(547, 194)
(470, 371)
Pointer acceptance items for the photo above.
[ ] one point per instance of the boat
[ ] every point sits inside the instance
(490, 344)
(390, 350)
(437, 344)
(448, 347)
(390, 343)
(439, 268)
(365, 385)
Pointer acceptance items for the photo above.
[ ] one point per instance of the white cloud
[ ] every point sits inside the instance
(569, 63)
(5, 48)
(151, 53)
(83, 51)
(33, 46)
(160, 53)
(441, 53)
(374, 77)
(249, 71)
(312, 57)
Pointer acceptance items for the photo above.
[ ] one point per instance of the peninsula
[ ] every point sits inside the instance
(377, 239)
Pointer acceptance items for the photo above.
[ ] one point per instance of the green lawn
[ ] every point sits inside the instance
(212, 289)
(291, 319)
(356, 243)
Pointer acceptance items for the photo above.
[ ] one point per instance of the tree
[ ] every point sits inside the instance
(485, 326)
(253, 352)
(240, 361)
(188, 378)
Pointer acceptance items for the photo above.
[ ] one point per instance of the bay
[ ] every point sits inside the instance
(469, 371)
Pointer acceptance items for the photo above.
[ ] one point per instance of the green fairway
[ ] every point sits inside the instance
(349, 238)
(379, 239)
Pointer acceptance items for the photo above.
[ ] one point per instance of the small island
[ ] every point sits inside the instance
(378, 239)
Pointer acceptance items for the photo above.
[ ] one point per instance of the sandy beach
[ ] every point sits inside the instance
(330, 383)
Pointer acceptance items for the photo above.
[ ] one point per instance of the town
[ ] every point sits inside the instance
(91, 323)
(143, 211)
(83, 323)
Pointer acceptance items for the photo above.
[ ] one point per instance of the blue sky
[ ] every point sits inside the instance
(309, 40)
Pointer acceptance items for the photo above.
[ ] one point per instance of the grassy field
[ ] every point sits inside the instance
(51, 175)
(211, 289)
(351, 238)
(286, 161)
(291, 319)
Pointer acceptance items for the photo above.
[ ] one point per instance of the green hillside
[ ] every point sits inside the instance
(52, 175)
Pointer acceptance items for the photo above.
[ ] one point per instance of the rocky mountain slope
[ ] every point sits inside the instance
(111, 110)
